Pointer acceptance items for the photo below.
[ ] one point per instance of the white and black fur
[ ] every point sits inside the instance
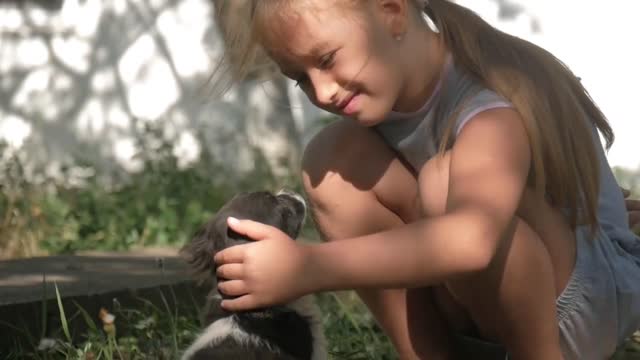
(286, 332)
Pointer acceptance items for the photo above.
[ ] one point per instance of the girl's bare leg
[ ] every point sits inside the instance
(356, 186)
(513, 300)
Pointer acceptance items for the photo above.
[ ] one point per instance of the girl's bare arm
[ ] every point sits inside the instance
(489, 166)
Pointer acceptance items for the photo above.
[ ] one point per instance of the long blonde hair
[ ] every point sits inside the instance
(556, 109)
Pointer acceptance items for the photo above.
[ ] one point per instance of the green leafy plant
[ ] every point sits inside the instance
(159, 206)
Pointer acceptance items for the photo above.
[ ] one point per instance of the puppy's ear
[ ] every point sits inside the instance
(199, 252)
(292, 209)
(292, 222)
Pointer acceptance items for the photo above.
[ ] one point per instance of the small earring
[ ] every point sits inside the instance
(398, 37)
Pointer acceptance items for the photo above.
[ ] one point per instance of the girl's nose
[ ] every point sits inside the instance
(325, 89)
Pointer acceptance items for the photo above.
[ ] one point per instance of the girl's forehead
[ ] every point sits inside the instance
(300, 35)
(289, 36)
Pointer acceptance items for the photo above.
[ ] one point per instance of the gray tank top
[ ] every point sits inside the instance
(414, 136)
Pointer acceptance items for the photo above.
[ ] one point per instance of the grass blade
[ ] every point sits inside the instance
(63, 318)
(86, 316)
(44, 306)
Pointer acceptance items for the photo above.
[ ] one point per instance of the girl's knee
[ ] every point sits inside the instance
(341, 147)
(319, 155)
(337, 154)
(350, 174)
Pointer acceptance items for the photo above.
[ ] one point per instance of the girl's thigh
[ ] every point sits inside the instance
(540, 241)
(357, 185)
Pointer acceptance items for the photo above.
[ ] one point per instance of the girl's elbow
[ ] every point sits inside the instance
(479, 259)
(483, 249)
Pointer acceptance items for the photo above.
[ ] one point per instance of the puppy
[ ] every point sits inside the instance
(289, 331)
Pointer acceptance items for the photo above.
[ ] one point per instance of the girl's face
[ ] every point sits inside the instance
(347, 61)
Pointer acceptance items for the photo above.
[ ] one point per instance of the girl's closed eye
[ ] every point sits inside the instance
(325, 63)
(327, 60)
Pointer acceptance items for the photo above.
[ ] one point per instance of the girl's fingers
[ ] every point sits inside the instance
(232, 287)
(233, 254)
(243, 303)
(232, 271)
(251, 229)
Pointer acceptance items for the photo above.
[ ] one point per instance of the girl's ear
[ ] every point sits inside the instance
(395, 16)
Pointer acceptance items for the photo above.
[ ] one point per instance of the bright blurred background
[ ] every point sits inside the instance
(110, 138)
(80, 77)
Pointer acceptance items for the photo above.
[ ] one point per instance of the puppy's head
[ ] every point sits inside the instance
(286, 211)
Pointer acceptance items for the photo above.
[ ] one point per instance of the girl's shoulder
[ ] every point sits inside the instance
(464, 97)
(477, 103)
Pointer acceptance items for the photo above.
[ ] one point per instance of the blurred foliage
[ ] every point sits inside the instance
(628, 179)
(161, 205)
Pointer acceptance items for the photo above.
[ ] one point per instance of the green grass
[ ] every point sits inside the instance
(146, 331)
(152, 331)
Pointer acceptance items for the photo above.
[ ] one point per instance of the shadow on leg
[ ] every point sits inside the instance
(357, 186)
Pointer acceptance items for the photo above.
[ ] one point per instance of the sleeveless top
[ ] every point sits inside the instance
(414, 136)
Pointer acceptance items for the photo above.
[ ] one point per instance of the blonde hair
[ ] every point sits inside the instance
(556, 109)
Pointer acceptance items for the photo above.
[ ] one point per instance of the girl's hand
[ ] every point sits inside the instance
(272, 270)
(633, 208)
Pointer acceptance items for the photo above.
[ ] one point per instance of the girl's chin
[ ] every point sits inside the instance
(367, 121)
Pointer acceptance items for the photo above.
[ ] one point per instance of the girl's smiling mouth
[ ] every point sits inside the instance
(350, 105)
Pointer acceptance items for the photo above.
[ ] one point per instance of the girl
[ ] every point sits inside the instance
(467, 183)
